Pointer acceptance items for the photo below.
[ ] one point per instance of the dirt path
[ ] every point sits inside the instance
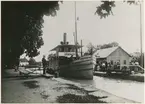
(55, 90)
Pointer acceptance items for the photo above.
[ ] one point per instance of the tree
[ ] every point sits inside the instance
(109, 45)
(50, 55)
(21, 28)
(32, 61)
(105, 9)
(90, 49)
(136, 57)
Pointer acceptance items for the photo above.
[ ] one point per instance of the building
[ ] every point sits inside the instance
(24, 62)
(113, 55)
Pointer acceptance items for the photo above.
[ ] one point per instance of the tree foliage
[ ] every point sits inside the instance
(109, 45)
(22, 22)
(136, 57)
(32, 61)
(105, 9)
(92, 48)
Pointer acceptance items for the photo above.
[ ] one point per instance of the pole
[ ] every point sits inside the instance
(74, 38)
(141, 59)
(81, 49)
(76, 31)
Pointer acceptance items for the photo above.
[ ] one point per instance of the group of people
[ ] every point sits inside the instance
(101, 65)
(134, 66)
(104, 65)
(134, 63)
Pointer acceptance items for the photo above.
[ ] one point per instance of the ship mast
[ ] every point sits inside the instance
(76, 30)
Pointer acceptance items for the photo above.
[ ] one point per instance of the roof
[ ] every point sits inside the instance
(103, 53)
(23, 60)
(65, 45)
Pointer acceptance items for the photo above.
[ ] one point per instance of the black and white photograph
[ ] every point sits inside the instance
(72, 51)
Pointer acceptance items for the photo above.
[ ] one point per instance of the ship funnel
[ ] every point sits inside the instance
(64, 38)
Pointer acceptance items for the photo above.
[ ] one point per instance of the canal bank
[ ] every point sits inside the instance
(133, 77)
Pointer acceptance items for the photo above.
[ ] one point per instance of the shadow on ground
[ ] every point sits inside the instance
(31, 84)
(72, 98)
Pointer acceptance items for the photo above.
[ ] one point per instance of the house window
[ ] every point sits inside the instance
(124, 61)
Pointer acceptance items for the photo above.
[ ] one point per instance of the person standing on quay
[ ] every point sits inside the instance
(44, 62)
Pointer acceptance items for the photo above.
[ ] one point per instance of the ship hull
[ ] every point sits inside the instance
(80, 69)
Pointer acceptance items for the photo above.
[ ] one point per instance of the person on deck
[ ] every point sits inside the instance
(44, 62)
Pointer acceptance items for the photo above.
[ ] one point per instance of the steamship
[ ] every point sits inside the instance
(69, 63)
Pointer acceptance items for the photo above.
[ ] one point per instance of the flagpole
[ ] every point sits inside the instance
(76, 30)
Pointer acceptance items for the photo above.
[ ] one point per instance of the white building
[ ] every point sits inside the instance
(24, 62)
(113, 55)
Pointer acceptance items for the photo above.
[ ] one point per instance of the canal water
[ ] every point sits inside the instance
(132, 90)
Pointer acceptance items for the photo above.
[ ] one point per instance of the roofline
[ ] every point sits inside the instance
(126, 52)
(113, 51)
(107, 48)
(122, 49)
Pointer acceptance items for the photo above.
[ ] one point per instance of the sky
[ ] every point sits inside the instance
(123, 26)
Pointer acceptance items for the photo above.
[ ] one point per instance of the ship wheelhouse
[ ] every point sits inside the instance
(65, 49)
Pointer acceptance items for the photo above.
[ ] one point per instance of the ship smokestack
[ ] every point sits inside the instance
(64, 38)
